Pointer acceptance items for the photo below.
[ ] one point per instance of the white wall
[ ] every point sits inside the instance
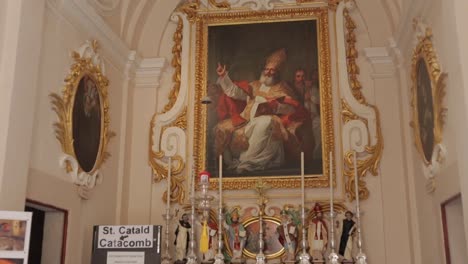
(47, 182)
(445, 20)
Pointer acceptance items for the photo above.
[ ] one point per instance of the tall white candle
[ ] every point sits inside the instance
(169, 172)
(193, 179)
(220, 181)
(331, 182)
(302, 180)
(356, 181)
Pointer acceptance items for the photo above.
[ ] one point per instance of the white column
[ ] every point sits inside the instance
(21, 28)
(396, 232)
(140, 193)
(462, 152)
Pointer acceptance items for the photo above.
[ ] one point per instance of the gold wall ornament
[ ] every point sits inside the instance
(359, 118)
(203, 21)
(157, 156)
(221, 5)
(428, 93)
(160, 171)
(83, 113)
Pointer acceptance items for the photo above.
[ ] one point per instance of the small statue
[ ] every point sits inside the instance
(182, 238)
(287, 232)
(347, 229)
(317, 235)
(237, 235)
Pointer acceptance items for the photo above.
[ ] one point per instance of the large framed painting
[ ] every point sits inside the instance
(428, 91)
(268, 77)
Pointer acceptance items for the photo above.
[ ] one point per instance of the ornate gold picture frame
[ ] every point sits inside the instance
(428, 90)
(83, 112)
(243, 46)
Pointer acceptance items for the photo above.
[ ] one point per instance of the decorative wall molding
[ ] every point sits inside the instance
(256, 5)
(148, 72)
(424, 51)
(382, 62)
(87, 64)
(361, 122)
(168, 129)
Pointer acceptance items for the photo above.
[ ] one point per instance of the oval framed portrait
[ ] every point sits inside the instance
(87, 123)
(272, 246)
(427, 91)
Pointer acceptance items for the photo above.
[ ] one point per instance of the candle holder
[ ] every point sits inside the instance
(204, 205)
(261, 189)
(166, 258)
(219, 258)
(304, 257)
(360, 257)
(191, 256)
(332, 257)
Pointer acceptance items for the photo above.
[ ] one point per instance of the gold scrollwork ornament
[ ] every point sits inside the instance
(87, 66)
(428, 108)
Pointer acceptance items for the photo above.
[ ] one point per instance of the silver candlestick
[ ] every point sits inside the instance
(166, 258)
(361, 257)
(191, 256)
(260, 256)
(304, 257)
(333, 257)
(219, 258)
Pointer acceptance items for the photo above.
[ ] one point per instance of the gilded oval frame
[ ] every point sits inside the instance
(428, 90)
(250, 222)
(82, 67)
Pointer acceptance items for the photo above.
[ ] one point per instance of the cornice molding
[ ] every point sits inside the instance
(148, 72)
(382, 62)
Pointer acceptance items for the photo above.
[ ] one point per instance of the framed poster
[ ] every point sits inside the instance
(268, 77)
(15, 231)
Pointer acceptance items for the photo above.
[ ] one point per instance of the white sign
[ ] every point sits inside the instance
(136, 236)
(115, 257)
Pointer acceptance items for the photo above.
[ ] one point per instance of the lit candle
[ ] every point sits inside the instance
(220, 181)
(331, 182)
(302, 180)
(169, 171)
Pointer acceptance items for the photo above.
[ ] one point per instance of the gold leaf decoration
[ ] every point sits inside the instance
(158, 159)
(373, 154)
(63, 104)
(425, 52)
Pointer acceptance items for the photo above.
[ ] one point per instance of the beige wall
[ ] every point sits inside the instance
(444, 20)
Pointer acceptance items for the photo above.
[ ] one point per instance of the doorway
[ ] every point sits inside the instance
(48, 233)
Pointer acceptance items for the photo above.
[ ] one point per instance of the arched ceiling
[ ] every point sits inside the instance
(141, 23)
